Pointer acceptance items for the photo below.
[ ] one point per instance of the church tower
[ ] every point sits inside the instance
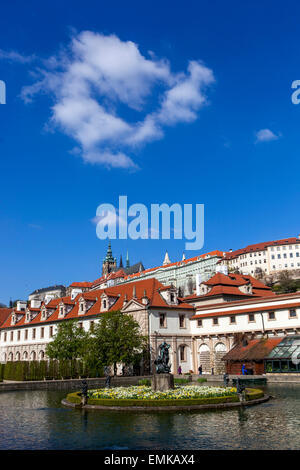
(110, 263)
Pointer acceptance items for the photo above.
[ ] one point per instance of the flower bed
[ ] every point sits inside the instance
(146, 393)
(189, 395)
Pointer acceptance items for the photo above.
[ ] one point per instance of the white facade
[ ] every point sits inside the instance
(197, 335)
(270, 258)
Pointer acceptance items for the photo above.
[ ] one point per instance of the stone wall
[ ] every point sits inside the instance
(69, 385)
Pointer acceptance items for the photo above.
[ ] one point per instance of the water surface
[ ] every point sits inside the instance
(37, 420)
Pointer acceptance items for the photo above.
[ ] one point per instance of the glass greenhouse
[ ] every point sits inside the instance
(285, 357)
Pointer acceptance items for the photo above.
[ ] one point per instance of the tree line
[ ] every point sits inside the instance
(115, 339)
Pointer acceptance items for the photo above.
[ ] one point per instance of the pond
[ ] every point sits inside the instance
(37, 421)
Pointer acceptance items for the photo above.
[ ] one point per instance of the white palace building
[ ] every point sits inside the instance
(200, 328)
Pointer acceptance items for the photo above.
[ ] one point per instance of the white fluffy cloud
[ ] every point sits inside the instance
(266, 135)
(98, 81)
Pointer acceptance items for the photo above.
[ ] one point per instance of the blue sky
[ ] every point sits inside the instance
(234, 145)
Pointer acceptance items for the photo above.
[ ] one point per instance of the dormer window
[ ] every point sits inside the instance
(104, 303)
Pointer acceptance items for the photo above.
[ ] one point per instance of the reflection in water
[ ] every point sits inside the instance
(37, 420)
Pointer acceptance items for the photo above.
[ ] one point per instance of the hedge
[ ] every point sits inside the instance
(76, 399)
(46, 370)
(251, 394)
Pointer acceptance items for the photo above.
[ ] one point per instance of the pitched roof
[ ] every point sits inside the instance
(222, 284)
(134, 290)
(81, 284)
(253, 350)
(260, 247)
(4, 314)
(177, 263)
(50, 289)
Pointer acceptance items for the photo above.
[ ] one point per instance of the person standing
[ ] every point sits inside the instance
(179, 370)
(200, 370)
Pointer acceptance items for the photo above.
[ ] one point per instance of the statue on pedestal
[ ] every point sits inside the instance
(108, 377)
(162, 361)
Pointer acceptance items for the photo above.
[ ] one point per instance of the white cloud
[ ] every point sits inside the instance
(97, 78)
(266, 135)
(14, 56)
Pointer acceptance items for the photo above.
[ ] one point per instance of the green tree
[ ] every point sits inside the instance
(70, 342)
(116, 339)
(286, 283)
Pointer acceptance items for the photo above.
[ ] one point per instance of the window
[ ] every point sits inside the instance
(80, 325)
(271, 315)
(181, 321)
(162, 320)
(292, 313)
(81, 307)
(251, 317)
(42, 332)
(11, 335)
(26, 334)
(33, 333)
(92, 324)
(51, 331)
(5, 336)
(19, 335)
(199, 323)
(104, 303)
(233, 319)
(215, 321)
(182, 353)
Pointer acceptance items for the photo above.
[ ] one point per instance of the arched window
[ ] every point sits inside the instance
(17, 356)
(25, 356)
(41, 355)
(203, 348)
(33, 356)
(220, 347)
(10, 356)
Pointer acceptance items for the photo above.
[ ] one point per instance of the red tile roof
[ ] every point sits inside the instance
(222, 284)
(254, 350)
(246, 310)
(150, 287)
(4, 314)
(177, 263)
(260, 247)
(81, 284)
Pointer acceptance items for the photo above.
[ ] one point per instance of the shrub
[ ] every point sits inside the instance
(76, 399)
(181, 381)
(146, 382)
(201, 380)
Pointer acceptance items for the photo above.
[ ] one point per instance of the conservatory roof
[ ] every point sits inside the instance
(288, 348)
